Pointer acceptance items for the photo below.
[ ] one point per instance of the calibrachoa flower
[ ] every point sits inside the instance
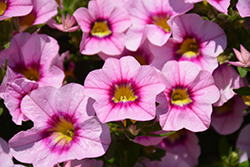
(43, 11)
(103, 25)
(194, 39)
(150, 20)
(68, 24)
(220, 5)
(226, 79)
(243, 56)
(184, 144)
(84, 163)
(228, 118)
(31, 57)
(123, 89)
(12, 8)
(13, 96)
(243, 8)
(65, 128)
(187, 100)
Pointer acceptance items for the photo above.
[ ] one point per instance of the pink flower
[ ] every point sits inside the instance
(68, 24)
(220, 5)
(123, 89)
(243, 8)
(228, 118)
(226, 79)
(243, 57)
(184, 144)
(31, 57)
(12, 8)
(43, 11)
(143, 54)
(243, 141)
(103, 25)
(194, 39)
(65, 128)
(5, 156)
(187, 100)
(150, 19)
(13, 96)
(149, 140)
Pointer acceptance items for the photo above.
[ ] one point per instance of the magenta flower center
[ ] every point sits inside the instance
(3, 7)
(189, 48)
(63, 132)
(161, 21)
(124, 93)
(100, 29)
(180, 97)
(31, 74)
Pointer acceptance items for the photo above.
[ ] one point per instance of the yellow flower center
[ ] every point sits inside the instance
(63, 132)
(189, 48)
(246, 100)
(26, 21)
(3, 7)
(100, 29)
(31, 74)
(124, 93)
(162, 22)
(180, 97)
(176, 136)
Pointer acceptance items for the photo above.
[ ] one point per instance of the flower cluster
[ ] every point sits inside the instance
(124, 83)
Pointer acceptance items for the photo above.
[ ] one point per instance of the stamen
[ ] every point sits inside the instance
(124, 93)
(189, 48)
(180, 97)
(162, 22)
(31, 74)
(100, 29)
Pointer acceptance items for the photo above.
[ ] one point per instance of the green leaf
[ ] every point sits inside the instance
(134, 154)
(243, 91)
(1, 111)
(244, 164)
(242, 72)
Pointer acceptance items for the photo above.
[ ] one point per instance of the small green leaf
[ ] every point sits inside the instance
(1, 111)
(244, 164)
(243, 91)
(242, 72)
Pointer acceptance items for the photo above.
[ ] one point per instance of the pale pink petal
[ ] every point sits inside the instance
(84, 163)
(10, 76)
(84, 22)
(134, 38)
(171, 73)
(89, 45)
(149, 140)
(244, 54)
(100, 8)
(243, 8)
(119, 19)
(220, 5)
(17, 8)
(44, 9)
(156, 35)
(113, 45)
(5, 156)
(226, 79)
(13, 96)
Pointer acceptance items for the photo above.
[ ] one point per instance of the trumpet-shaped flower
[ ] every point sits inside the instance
(150, 19)
(68, 24)
(65, 127)
(194, 39)
(123, 89)
(43, 11)
(243, 8)
(243, 56)
(31, 57)
(12, 8)
(84, 163)
(103, 25)
(187, 100)
(228, 118)
(243, 140)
